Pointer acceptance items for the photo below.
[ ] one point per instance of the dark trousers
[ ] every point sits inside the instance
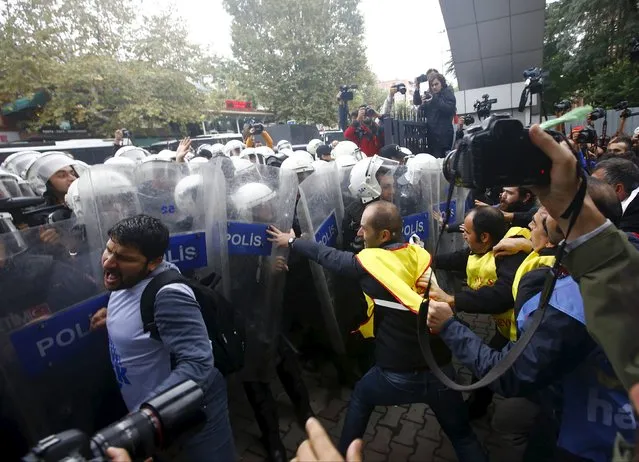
(385, 388)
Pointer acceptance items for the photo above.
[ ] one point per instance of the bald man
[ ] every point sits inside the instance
(388, 270)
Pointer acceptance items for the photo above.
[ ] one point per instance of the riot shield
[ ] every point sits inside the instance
(107, 194)
(414, 199)
(264, 196)
(320, 211)
(55, 373)
(450, 241)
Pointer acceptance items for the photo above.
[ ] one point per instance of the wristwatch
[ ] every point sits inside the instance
(290, 241)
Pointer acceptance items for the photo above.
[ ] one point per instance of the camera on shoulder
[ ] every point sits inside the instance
(497, 153)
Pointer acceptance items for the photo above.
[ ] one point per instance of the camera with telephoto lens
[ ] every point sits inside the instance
(497, 153)
(400, 87)
(257, 129)
(346, 92)
(563, 106)
(484, 106)
(597, 113)
(167, 419)
(586, 135)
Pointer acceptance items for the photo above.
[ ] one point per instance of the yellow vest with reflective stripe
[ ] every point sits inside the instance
(481, 271)
(398, 271)
(532, 261)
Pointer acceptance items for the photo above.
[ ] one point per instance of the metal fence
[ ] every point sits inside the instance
(405, 128)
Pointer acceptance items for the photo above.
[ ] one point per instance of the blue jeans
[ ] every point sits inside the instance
(215, 441)
(385, 388)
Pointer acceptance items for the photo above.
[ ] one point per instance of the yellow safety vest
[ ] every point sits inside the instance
(398, 271)
(532, 261)
(481, 271)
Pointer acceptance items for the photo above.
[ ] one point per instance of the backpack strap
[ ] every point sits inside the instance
(147, 301)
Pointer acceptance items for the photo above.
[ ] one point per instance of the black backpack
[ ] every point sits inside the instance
(225, 328)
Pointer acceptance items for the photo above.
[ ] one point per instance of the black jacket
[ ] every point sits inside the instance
(630, 219)
(495, 299)
(439, 113)
(396, 344)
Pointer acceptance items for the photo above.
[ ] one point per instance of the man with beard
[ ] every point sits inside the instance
(144, 366)
(517, 204)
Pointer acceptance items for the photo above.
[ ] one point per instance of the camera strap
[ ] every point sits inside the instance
(424, 334)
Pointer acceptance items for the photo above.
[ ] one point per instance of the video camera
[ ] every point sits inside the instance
(484, 106)
(563, 106)
(170, 417)
(534, 77)
(346, 92)
(257, 128)
(421, 79)
(597, 113)
(623, 107)
(497, 153)
(400, 87)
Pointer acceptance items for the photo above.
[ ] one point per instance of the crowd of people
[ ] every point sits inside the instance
(264, 212)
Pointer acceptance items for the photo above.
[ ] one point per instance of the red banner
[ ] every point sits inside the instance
(238, 105)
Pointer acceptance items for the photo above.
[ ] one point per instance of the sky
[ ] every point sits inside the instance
(394, 30)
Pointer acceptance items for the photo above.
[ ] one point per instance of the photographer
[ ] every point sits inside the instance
(256, 129)
(365, 132)
(438, 105)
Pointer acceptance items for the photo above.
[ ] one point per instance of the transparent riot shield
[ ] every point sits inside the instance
(170, 192)
(320, 211)
(55, 373)
(414, 198)
(106, 195)
(450, 241)
(256, 199)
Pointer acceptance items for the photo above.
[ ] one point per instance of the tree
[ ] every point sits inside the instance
(295, 55)
(586, 51)
(104, 65)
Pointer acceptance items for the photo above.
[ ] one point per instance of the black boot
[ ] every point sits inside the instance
(265, 408)
(290, 374)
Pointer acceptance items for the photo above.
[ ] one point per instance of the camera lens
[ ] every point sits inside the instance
(176, 413)
(137, 433)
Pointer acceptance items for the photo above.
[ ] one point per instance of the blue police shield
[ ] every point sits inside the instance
(56, 372)
(320, 211)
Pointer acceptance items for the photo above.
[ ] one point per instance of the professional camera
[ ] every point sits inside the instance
(421, 79)
(170, 417)
(125, 133)
(597, 113)
(563, 106)
(534, 77)
(468, 119)
(400, 87)
(257, 129)
(484, 106)
(586, 135)
(497, 153)
(346, 92)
